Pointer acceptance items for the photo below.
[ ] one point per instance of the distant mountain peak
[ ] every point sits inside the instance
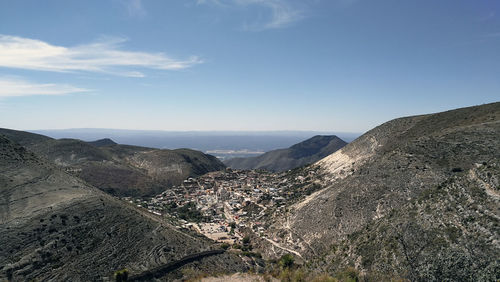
(103, 142)
(315, 145)
(305, 152)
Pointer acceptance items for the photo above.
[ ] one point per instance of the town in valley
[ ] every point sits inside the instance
(226, 205)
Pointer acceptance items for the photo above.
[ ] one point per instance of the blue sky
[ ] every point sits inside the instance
(327, 65)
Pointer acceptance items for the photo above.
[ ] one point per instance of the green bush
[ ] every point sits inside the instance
(246, 240)
(286, 261)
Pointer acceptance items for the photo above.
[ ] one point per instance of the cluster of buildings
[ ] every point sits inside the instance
(226, 202)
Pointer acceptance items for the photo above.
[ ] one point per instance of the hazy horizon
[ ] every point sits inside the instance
(223, 144)
(186, 131)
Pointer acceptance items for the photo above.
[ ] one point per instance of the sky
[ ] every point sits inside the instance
(322, 65)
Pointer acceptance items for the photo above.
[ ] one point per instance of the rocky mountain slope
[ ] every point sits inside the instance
(119, 169)
(416, 197)
(303, 153)
(54, 226)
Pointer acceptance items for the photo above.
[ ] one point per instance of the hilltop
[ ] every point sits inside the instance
(103, 142)
(303, 153)
(121, 170)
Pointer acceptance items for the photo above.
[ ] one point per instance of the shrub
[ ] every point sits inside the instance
(286, 261)
(286, 276)
(299, 276)
(251, 254)
(121, 275)
(324, 278)
(349, 275)
(246, 240)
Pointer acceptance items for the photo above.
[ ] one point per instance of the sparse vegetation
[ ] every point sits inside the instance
(189, 212)
(121, 275)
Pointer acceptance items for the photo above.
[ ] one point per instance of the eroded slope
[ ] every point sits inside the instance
(54, 226)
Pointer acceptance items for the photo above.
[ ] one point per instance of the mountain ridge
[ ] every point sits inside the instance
(102, 142)
(422, 164)
(305, 152)
(121, 170)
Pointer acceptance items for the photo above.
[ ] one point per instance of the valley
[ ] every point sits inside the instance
(226, 205)
(416, 198)
(249, 140)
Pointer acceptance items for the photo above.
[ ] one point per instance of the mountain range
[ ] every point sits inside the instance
(303, 153)
(416, 198)
(120, 170)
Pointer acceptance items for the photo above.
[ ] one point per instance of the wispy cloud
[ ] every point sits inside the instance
(103, 56)
(282, 12)
(14, 87)
(135, 8)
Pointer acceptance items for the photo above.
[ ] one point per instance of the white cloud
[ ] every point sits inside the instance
(282, 12)
(13, 87)
(102, 56)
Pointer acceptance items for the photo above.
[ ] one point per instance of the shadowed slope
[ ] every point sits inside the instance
(300, 154)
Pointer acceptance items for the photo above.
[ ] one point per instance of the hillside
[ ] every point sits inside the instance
(416, 197)
(119, 169)
(54, 226)
(303, 153)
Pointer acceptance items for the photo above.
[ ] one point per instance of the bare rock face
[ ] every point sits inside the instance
(120, 170)
(379, 178)
(54, 226)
